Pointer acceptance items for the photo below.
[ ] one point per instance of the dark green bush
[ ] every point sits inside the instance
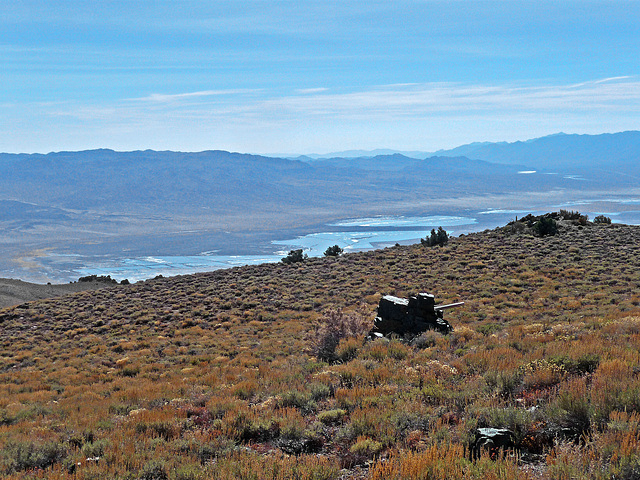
(96, 278)
(19, 456)
(546, 226)
(334, 251)
(440, 237)
(130, 371)
(154, 470)
(577, 366)
(489, 328)
(331, 417)
(602, 220)
(570, 214)
(300, 400)
(295, 256)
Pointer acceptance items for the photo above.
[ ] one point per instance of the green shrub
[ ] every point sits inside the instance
(216, 447)
(587, 363)
(299, 400)
(347, 349)
(489, 328)
(162, 429)
(19, 456)
(95, 448)
(320, 391)
(441, 237)
(334, 251)
(602, 220)
(518, 420)
(505, 383)
(366, 447)
(153, 470)
(295, 256)
(332, 416)
(546, 226)
(397, 350)
(130, 371)
(425, 340)
(5, 418)
(572, 412)
(189, 471)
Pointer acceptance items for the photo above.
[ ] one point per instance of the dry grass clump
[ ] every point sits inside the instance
(262, 372)
(443, 462)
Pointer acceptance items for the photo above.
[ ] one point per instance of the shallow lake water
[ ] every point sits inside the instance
(352, 235)
(357, 234)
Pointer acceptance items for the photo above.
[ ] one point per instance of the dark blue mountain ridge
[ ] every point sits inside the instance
(89, 178)
(559, 152)
(562, 152)
(166, 181)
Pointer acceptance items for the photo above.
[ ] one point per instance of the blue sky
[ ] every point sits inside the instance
(312, 76)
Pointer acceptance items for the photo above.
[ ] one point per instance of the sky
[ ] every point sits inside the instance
(311, 76)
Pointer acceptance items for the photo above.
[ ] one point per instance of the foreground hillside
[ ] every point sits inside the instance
(214, 375)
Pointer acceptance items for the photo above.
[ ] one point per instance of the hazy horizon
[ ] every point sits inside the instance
(343, 153)
(262, 76)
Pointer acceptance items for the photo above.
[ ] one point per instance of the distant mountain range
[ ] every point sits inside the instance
(562, 152)
(559, 152)
(224, 184)
(150, 202)
(360, 153)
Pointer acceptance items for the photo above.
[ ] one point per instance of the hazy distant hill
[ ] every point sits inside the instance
(565, 153)
(562, 152)
(107, 179)
(14, 292)
(365, 153)
(224, 182)
(384, 162)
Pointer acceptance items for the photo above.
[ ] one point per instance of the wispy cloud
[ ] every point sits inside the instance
(420, 100)
(383, 103)
(165, 98)
(612, 79)
(311, 90)
(406, 116)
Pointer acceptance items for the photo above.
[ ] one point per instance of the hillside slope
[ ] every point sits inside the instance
(13, 292)
(213, 375)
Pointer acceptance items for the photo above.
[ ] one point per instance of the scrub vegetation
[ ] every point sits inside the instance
(261, 372)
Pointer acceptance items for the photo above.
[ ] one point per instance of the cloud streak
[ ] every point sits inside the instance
(403, 100)
(619, 94)
(410, 116)
(172, 98)
(419, 100)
